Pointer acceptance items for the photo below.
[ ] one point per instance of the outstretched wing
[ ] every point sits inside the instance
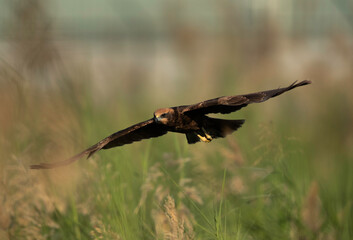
(233, 103)
(137, 132)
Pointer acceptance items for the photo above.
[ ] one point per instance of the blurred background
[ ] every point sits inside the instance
(73, 72)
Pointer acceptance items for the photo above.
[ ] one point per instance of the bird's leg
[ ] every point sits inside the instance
(204, 139)
(204, 136)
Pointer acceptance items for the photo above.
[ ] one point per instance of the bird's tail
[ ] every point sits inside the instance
(221, 127)
(214, 128)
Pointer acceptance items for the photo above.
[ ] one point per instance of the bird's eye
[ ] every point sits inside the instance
(163, 115)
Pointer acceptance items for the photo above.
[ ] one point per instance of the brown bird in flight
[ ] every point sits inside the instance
(190, 120)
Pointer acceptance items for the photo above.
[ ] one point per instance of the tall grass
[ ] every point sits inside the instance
(258, 184)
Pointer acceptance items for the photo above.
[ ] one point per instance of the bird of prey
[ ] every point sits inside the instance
(191, 120)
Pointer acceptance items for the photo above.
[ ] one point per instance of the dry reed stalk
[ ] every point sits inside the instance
(179, 227)
(25, 204)
(170, 222)
(101, 231)
(311, 209)
(149, 184)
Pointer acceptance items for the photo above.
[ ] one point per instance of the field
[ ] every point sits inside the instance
(286, 174)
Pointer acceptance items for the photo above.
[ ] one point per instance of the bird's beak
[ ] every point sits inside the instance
(157, 119)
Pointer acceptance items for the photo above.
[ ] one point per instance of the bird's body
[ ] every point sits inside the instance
(190, 120)
(177, 121)
(196, 127)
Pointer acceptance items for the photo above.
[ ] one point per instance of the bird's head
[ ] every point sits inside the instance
(164, 116)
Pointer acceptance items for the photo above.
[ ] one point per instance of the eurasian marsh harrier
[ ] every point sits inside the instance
(190, 120)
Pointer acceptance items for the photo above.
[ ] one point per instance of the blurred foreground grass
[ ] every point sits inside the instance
(290, 178)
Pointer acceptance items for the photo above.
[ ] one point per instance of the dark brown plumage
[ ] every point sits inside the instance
(189, 119)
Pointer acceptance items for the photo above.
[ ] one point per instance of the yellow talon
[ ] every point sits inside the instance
(207, 135)
(204, 139)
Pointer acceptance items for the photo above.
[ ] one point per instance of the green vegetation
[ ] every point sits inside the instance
(278, 180)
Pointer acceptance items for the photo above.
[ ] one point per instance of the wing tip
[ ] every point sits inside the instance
(41, 166)
(302, 83)
(61, 163)
(35, 166)
(89, 152)
(50, 165)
